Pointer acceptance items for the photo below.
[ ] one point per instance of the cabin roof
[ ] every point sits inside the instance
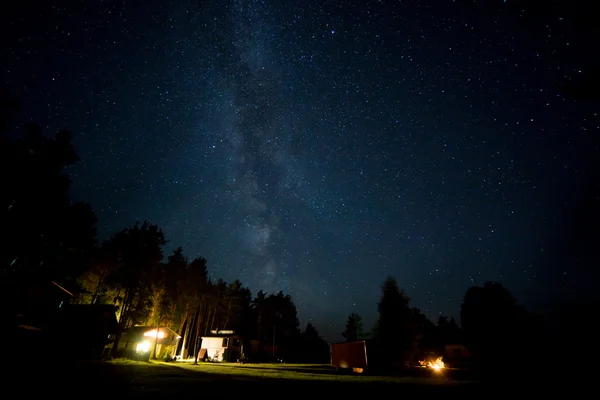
(221, 335)
(140, 330)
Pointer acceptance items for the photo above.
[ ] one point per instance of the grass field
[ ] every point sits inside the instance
(135, 379)
(304, 372)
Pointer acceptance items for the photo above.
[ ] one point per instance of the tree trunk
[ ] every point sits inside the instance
(228, 312)
(123, 304)
(121, 325)
(183, 333)
(115, 300)
(99, 285)
(183, 319)
(197, 335)
(212, 321)
(123, 319)
(206, 318)
(190, 320)
(191, 334)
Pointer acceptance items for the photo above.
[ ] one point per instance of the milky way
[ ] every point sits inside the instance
(255, 134)
(317, 147)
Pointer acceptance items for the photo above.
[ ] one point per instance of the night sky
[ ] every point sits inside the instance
(317, 147)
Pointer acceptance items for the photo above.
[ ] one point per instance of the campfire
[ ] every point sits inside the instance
(436, 365)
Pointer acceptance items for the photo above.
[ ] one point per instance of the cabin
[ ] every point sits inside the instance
(143, 342)
(221, 346)
(82, 331)
(28, 312)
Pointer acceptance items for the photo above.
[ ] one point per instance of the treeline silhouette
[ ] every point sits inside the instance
(48, 237)
(501, 337)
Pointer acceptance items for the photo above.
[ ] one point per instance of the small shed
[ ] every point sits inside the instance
(141, 342)
(221, 346)
(349, 355)
(359, 355)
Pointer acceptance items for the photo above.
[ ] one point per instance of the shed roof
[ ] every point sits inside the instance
(221, 335)
(140, 330)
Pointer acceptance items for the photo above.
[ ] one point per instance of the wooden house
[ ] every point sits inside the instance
(145, 342)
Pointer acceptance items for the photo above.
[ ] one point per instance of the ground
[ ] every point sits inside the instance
(93, 379)
(152, 379)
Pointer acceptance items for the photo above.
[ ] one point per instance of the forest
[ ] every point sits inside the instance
(50, 237)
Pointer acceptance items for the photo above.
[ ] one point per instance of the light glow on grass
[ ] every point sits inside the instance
(267, 372)
(310, 372)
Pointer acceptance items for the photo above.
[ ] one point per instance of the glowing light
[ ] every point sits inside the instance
(152, 333)
(436, 365)
(143, 347)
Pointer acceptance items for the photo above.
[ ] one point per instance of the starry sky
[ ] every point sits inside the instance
(317, 147)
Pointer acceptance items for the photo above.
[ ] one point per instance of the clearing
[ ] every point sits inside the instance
(133, 378)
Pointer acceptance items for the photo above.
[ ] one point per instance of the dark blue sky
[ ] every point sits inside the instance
(318, 146)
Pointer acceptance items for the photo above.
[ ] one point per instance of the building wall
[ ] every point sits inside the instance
(222, 348)
(215, 353)
(349, 355)
(131, 338)
(214, 347)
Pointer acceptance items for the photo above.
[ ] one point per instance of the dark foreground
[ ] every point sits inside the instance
(99, 379)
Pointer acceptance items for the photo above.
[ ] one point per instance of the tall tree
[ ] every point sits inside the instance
(312, 347)
(487, 314)
(94, 285)
(258, 325)
(426, 338)
(498, 330)
(46, 235)
(395, 323)
(239, 299)
(166, 289)
(354, 328)
(448, 330)
(277, 324)
(136, 258)
(194, 285)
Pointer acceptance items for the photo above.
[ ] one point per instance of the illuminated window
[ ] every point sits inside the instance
(152, 333)
(143, 347)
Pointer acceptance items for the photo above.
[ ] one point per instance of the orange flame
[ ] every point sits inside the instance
(436, 365)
